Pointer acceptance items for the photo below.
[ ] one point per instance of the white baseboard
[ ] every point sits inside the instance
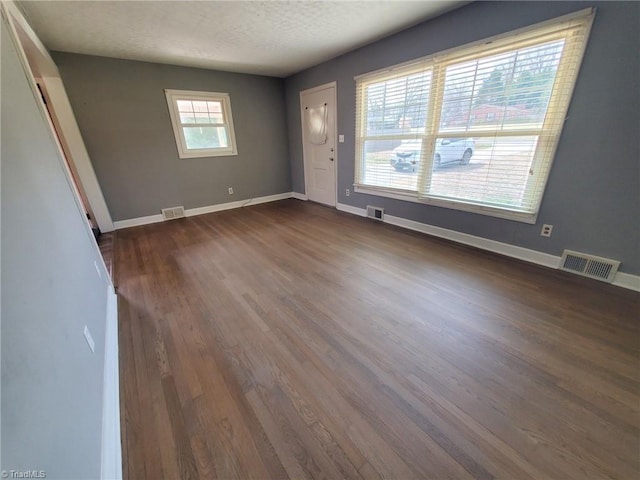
(191, 212)
(623, 280)
(136, 222)
(111, 445)
(520, 253)
(299, 196)
(361, 212)
(626, 280)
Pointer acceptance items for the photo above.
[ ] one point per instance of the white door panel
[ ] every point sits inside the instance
(319, 158)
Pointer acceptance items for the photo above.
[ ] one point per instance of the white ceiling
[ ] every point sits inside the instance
(276, 38)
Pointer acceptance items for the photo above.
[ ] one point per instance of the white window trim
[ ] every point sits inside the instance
(173, 96)
(502, 41)
(522, 217)
(411, 64)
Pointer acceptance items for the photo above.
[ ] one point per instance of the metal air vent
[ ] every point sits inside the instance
(173, 212)
(600, 268)
(376, 213)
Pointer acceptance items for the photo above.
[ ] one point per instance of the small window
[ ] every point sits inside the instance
(202, 123)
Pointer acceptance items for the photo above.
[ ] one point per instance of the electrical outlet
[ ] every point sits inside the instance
(340, 138)
(546, 230)
(230, 190)
(89, 338)
(348, 192)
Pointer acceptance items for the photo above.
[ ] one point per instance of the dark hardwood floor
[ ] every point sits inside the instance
(288, 340)
(106, 245)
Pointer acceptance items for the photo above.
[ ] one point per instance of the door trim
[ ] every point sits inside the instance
(324, 86)
(38, 64)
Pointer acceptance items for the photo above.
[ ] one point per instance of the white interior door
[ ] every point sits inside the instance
(318, 116)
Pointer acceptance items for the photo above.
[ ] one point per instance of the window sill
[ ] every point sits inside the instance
(207, 153)
(522, 217)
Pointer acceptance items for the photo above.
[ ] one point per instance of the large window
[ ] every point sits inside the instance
(202, 123)
(474, 128)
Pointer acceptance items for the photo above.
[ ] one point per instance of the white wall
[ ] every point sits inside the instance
(52, 384)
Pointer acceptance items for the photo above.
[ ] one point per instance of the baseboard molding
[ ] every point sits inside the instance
(626, 280)
(191, 212)
(361, 212)
(299, 196)
(512, 251)
(622, 279)
(136, 222)
(111, 444)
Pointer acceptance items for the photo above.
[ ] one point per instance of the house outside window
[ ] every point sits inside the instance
(202, 123)
(474, 128)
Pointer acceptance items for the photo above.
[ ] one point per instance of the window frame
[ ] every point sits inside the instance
(173, 96)
(438, 63)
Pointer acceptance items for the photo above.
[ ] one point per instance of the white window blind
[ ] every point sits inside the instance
(473, 128)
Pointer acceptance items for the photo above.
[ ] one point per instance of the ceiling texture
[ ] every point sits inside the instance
(275, 38)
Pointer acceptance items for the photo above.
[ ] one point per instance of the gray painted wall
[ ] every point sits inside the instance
(51, 382)
(122, 112)
(593, 193)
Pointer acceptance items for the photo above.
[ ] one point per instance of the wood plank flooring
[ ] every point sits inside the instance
(107, 250)
(289, 340)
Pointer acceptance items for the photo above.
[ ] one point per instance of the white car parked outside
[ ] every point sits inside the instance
(406, 156)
